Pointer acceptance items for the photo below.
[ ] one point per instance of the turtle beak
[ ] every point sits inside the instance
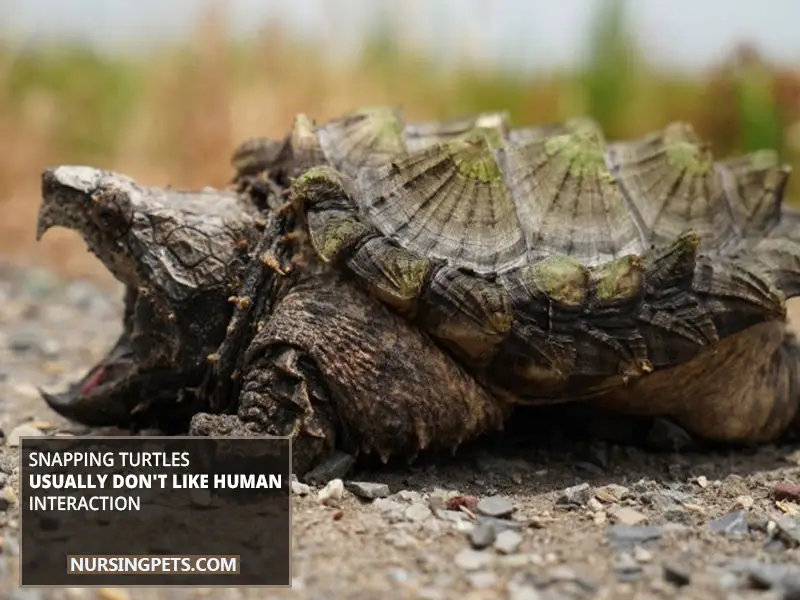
(86, 401)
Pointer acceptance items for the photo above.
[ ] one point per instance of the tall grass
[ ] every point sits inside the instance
(174, 117)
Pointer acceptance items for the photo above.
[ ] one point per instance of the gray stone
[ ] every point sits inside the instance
(627, 569)
(507, 542)
(728, 581)
(613, 492)
(417, 512)
(495, 506)
(628, 515)
(623, 535)
(453, 516)
(577, 495)
(788, 530)
(385, 505)
(472, 560)
(482, 535)
(408, 496)
(437, 499)
(734, 524)
(499, 524)
(11, 546)
(766, 576)
(367, 489)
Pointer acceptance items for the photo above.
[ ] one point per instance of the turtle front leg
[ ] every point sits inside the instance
(335, 369)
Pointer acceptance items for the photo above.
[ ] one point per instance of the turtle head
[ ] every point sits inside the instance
(180, 256)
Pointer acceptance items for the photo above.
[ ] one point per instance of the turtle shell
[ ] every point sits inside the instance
(554, 262)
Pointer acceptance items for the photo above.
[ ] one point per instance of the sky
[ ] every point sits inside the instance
(529, 34)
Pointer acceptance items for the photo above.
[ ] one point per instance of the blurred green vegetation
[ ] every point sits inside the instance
(175, 116)
(96, 96)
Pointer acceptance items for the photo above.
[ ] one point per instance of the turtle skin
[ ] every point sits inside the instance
(361, 286)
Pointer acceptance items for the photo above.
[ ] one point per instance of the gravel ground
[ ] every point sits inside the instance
(574, 520)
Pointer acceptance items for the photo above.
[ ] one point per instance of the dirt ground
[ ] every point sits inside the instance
(575, 518)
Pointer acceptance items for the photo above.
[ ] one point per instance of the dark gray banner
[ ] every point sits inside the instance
(155, 511)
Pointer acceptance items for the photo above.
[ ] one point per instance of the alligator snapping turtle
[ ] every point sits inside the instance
(378, 286)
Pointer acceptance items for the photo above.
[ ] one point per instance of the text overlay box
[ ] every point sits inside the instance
(155, 511)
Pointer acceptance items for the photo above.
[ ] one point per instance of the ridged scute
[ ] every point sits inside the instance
(549, 259)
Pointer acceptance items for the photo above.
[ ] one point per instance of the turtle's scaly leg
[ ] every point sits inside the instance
(333, 368)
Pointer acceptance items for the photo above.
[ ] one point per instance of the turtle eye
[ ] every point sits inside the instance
(110, 210)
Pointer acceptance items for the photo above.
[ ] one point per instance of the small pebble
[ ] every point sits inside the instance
(23, 430)
(482, 579)
(734, 524)
(628, 516)
(677, 574)
(332, 492)
(788, 529)
(300, 489)
(728, 581)
(368, 490)
(594, 505)
(408, 496)
(577, 495)
(621, 534)
(385, 505)
(417, 512)
(495, 506)
(642, 555)
(627, 569)
(562, 574)
(453, 516)
(499, 524)
(472, 560)
(437, 499)
(766, 576)
(8, 497)
(11, 546)
(611, 493)
(482, 535)
(507, 542)
(399, 575)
